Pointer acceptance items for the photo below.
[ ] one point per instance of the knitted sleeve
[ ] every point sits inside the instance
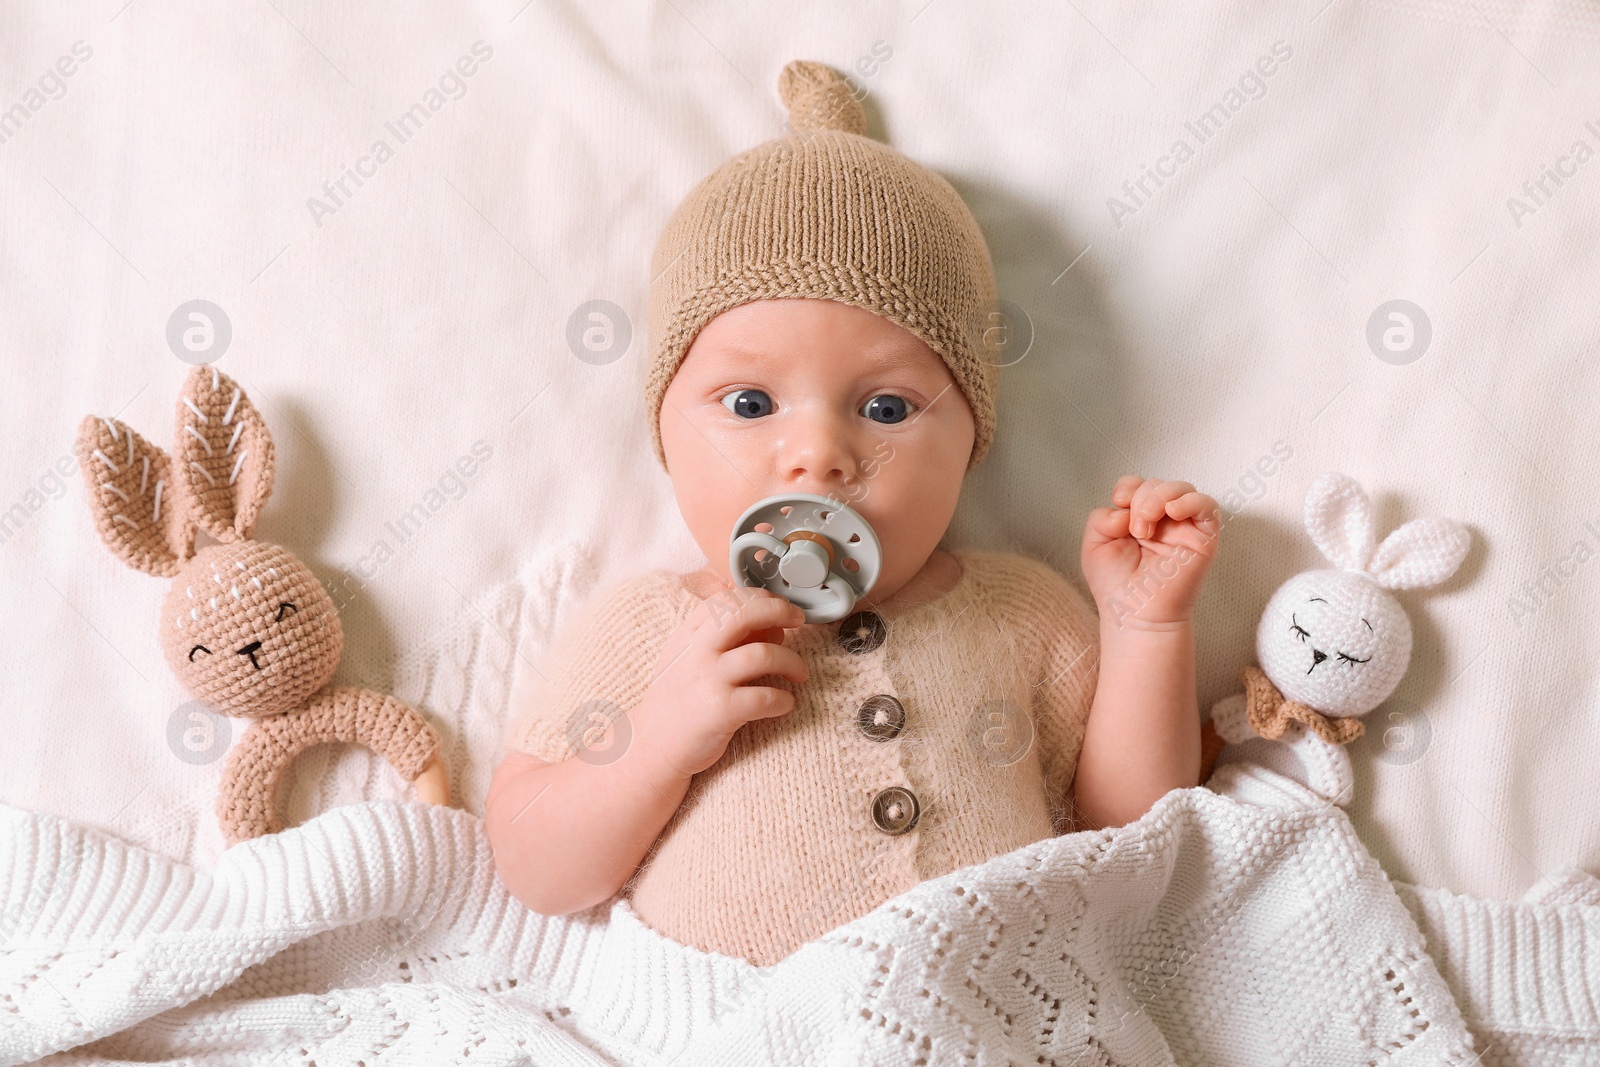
(597, 667)
(1068, 629)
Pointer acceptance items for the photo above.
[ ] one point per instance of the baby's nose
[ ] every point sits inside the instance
(820, 453)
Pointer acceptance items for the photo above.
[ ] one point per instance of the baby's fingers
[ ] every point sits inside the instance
(730, 625)
(1202, 508)
(1122, 492)
(1150, 504)
(759, 702)
(1106, 524)
(758, 659)
(1196, 526)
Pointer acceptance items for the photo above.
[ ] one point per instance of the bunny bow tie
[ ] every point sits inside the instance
(1270, 713)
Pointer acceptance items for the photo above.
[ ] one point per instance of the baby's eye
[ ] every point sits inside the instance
(285, 604)
(198, 648)
(1352, 659)
(892, 408)
(748, 403)
(1295, 627)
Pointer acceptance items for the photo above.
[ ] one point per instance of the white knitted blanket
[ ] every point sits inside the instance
(1247, 927)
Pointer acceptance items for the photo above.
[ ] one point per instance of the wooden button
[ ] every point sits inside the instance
(895, 810)
(881, 717)
(862, 632)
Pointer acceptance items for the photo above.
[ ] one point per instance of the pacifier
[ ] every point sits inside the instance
(813, 551)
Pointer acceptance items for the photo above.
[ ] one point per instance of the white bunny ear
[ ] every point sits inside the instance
(1339, 519)
(1422, 552)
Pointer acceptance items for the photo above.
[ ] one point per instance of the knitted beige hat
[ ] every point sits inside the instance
(827, 213)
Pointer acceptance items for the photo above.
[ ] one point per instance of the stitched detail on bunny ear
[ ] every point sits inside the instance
(1270, 714)
(127, 479)
(196, 433)
(223, 454)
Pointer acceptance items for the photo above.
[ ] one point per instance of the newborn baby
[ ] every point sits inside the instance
(817, 319)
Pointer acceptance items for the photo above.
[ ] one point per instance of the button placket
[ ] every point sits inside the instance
(893, 809)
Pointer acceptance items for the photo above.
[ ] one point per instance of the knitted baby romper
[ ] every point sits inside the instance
(925, 738)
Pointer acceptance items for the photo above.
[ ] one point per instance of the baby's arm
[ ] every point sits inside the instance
(568, 835)
(1145, 560)
(1143, 735)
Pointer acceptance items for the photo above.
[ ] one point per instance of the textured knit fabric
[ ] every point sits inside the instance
(1233, 930)
(1297, 752)
(247, 803)
(776, 842)
(1525, 973)
(1270, 714)
(828, 213)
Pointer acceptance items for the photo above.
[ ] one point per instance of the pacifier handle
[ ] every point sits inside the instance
(801, 560)
(820, 553)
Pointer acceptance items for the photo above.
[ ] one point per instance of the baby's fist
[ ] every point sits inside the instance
(1146, 557)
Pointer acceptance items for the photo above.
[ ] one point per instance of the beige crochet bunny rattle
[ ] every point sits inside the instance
(246, 626)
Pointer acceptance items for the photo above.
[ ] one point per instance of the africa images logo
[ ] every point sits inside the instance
(337, 191)
(1139, 191)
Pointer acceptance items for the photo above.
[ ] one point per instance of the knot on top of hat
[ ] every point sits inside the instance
(820, 98)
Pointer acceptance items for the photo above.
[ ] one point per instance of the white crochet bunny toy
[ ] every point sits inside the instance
(245, 625)
(1333, 644)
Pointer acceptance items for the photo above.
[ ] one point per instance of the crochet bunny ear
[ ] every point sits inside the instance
(223, 452)
(140, 513)
(1422, 552)
(1338, 517)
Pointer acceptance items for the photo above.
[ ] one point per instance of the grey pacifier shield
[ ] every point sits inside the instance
(810, 542)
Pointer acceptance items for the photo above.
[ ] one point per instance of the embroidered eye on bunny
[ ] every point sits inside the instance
(1333, 644)
(245, 625)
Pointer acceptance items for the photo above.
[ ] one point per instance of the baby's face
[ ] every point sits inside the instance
(816, 396)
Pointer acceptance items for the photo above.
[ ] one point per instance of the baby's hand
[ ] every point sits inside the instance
(702, 694)
(1146, 558)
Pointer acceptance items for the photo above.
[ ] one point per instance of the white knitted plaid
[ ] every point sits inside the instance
(1248, 928)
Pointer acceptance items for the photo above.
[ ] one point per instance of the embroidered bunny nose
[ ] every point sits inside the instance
(1317, 656)
(250, 650)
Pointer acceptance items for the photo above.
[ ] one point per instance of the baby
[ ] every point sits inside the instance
(817, 315)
